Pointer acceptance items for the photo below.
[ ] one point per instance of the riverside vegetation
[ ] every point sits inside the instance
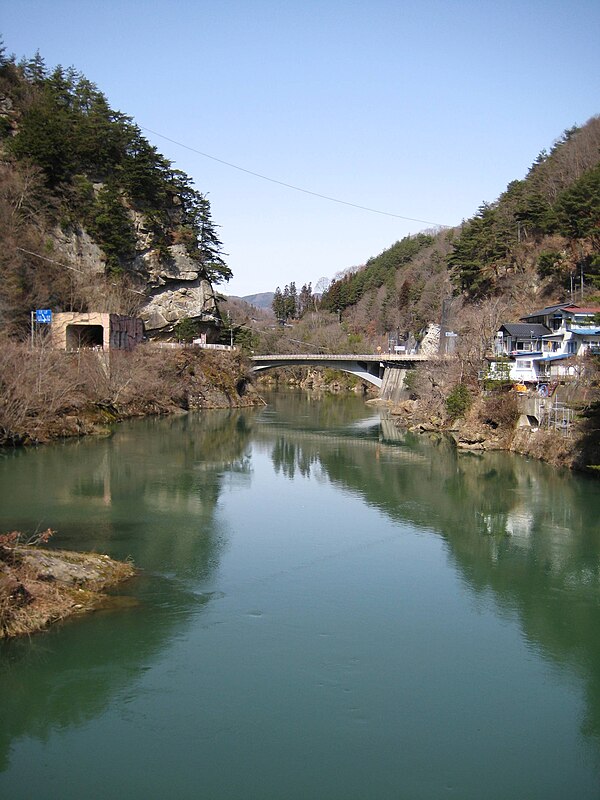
(48, 394)
(93, 218)
(80, 183)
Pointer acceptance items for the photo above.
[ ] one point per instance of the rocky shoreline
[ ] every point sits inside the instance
(576, 449)
(40, 586)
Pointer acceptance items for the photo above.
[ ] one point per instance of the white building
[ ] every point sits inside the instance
(544, 344)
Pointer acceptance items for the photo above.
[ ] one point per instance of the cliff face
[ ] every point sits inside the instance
(165, 287)
(93, 217)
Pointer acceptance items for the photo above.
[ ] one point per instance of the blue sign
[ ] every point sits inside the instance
(43, 315)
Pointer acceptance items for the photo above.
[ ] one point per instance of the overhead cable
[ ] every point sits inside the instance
(73, 269)
(290, 185)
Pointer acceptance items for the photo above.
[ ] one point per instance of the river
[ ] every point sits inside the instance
(327, 609)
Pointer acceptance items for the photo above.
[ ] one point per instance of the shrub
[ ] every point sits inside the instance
(458, 401)
(500, 410)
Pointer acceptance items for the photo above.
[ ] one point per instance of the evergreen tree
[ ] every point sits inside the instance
(578, 208)
(291, 301)
(278, 305)
(110, 224)
(35, 69)
(305, 300)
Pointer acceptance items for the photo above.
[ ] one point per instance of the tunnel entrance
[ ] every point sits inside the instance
(79, 336)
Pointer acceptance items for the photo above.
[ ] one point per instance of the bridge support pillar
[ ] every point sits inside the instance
(393, 383)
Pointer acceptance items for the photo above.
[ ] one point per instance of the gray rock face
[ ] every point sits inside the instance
(174, 287)
(177, 300)
(82, 250)
(176, 290)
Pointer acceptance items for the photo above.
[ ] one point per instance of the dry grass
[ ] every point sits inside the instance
(38, 587)
(45, 394)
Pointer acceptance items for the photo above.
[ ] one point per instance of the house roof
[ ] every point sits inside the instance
(553, 357)
(591, 331)
(543, 312)
(525, 331)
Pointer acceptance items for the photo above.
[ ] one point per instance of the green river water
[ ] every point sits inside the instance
(327, 609)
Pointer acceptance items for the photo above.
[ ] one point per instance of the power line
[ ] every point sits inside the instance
(73, 269)
(51, 260)
(290, 185)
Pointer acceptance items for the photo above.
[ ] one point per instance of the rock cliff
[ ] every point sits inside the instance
(170, 286)
(175, 290)
(92, 216)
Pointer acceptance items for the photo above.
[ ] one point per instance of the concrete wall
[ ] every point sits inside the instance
(71, 330)
(393, 384)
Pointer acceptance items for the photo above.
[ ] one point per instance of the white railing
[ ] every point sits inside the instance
(204, 346)
(182, 345)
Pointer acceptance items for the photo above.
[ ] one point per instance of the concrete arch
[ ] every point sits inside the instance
(386, 371)
(360, 370)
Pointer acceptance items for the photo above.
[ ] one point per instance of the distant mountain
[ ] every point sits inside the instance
(260, 300)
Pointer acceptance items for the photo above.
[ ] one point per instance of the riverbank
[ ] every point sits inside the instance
(39, 586)
(47, 395)
(496, 422)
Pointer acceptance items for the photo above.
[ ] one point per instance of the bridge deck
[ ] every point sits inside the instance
(368, 357)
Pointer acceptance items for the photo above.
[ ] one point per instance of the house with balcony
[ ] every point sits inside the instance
(543, 345)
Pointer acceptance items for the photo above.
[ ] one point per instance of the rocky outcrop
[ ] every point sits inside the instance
(176, 289)
(38, 587)
(179, 300)
(430, 344)
(173, 284)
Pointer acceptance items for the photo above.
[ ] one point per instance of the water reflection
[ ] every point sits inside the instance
(149, 492)
(526, 532)
(515, 531)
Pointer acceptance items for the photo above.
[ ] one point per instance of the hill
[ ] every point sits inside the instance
(91, 215)
(263, 300)
(540, 240)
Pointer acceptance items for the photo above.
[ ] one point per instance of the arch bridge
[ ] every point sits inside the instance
(369, 367)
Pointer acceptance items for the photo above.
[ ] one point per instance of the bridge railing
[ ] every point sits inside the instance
(372, 357)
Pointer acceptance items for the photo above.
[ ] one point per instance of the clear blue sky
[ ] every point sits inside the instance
(423, 109)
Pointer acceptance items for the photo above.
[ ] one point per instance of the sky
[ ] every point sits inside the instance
(418, 110)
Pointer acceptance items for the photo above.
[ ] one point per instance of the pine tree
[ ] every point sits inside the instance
(305, 300)
(291, 306)
(35, 69)
(278, 305)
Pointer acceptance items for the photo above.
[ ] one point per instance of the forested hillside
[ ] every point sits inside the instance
(92, 216)
(90, 212)
(540, 240)
(549, 222)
